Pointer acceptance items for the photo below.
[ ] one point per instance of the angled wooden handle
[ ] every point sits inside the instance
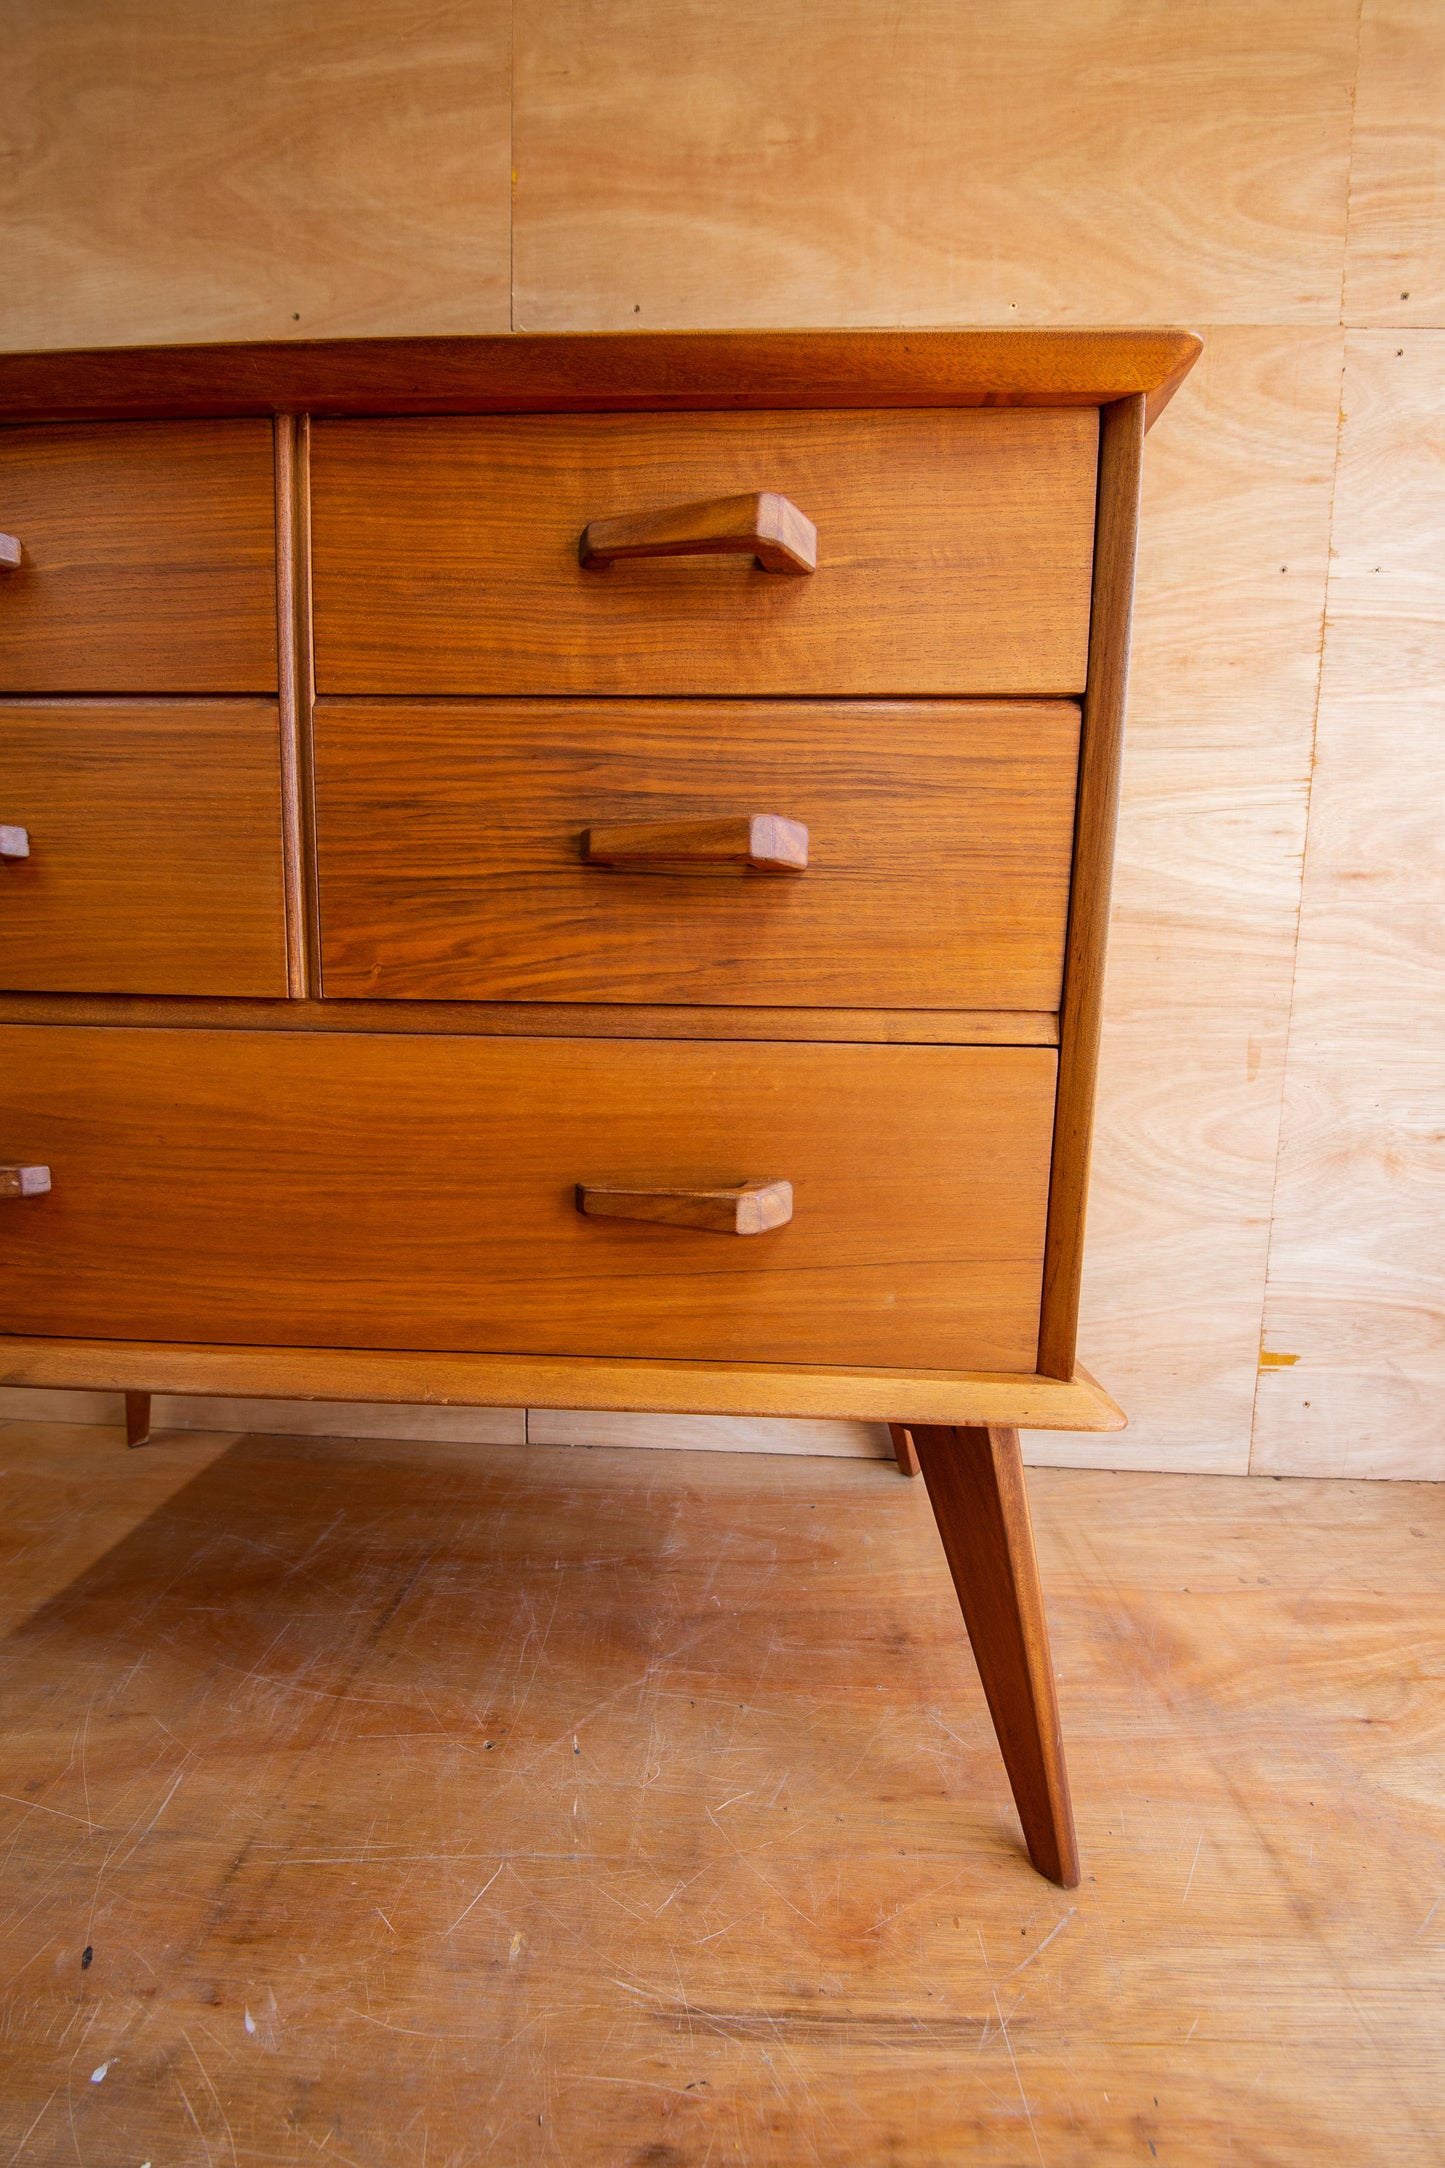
(23, 1181)
(760, 842)
(10, 552)
(14, 842)
(738, 1208)
(760, 524)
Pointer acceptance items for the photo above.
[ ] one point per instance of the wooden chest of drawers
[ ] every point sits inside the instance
(573, 871)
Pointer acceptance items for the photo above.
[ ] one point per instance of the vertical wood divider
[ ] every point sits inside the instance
(1121, 458)
(296, 696)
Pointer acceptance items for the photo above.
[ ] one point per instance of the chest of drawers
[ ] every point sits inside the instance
(573, 872)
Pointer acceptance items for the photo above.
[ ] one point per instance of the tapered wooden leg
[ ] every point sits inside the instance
(137, 1418)
(903, 1451)
(975, 1482)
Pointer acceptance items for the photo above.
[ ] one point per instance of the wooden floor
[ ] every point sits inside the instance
(406, 1805)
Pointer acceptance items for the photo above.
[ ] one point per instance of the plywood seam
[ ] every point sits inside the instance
(1299, 900)
(1345, 245)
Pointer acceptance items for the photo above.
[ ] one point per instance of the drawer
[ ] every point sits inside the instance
(953, 554)
(313, 1189)
(149, 558)
(154, 848)
(939, 838)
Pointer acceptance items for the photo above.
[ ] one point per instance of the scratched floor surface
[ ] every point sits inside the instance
(408, 1805)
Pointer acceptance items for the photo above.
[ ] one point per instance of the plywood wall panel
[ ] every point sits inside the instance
(1233, 557)
(843, 162)
(1357, 1258)
(1395, 257)
(264, 169)
(342, 166)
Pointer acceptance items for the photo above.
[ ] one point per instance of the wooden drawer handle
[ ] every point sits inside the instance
(760, 842)
(14, 842)
(10, 552)
(761, 524)
(24, 1181)
(739, 1208)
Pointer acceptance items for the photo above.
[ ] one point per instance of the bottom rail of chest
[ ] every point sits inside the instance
(1028, 1402)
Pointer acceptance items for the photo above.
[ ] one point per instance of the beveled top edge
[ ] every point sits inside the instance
(531, 372)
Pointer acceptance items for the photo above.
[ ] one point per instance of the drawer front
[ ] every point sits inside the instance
(939, 841)
(153, 840)
(953, 554)
(149, 558)
(317, 1190)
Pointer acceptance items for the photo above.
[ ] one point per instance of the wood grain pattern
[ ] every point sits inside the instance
(940, 839)
(750, 842)
(976, 1488)
(1356, 1262)
(332, 167)
(155, 858)
(955, 555)
(301, 1189)
(1121, 451)
(762, 525)
(610, 372)
(1078, 167)
(149, 564)
(1395, 252)
(575, 1384)
(736, 1208)
(540, 1019)
(1233, 559)
(775, 1899)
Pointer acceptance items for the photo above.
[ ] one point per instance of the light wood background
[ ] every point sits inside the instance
(1270, 1168)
